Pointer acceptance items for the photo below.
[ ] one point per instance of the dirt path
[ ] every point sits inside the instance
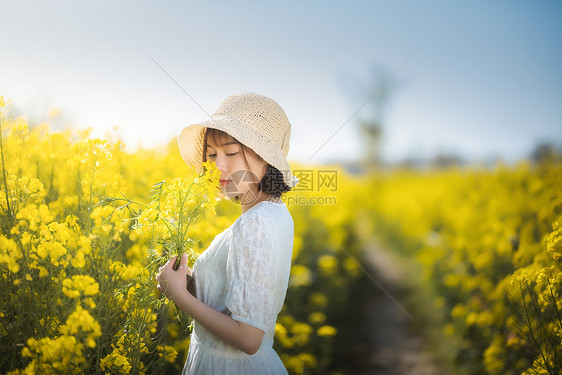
(381, 337)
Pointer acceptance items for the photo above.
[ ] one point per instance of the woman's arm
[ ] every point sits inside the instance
(240, 335)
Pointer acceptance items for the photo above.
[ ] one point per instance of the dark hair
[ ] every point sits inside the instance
(272, 182)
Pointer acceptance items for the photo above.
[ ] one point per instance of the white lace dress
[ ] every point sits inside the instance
(245, 274)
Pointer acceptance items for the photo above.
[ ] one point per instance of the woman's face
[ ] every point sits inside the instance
(236, 178)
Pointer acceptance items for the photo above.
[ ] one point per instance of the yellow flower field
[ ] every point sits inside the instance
(488, 246)
(85, 225)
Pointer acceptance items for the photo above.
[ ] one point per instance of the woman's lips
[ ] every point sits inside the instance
(224, 182)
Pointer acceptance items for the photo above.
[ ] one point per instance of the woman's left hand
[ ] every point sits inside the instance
(173, 283)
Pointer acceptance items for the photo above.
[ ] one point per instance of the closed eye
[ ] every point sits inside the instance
(213, 155)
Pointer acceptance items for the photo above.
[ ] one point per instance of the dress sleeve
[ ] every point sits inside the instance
(251, 272)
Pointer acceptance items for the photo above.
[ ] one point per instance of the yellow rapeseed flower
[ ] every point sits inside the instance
(80, 284)
(81, 322)
(327, 264)
(115, 363)
(317, 317)
(300, 333)
(327, 331)
(300, 276)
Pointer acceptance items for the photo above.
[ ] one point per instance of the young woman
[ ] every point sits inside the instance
(241, 279)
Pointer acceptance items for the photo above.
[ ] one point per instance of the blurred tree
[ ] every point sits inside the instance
(446, 160)
(544, 152)
(371, 122)
(373, 94)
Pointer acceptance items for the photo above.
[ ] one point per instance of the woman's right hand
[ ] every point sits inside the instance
(173, 283)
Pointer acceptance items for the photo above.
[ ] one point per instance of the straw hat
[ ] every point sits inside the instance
(256, 121)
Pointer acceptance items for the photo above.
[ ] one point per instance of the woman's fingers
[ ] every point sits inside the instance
(183, 261)
(171, 262)
(166, 274)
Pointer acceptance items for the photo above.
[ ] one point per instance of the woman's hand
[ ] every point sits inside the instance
(173, 283)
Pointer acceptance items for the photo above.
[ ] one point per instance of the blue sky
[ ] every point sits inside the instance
(484, 78)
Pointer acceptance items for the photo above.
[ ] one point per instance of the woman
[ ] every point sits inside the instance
(241, 279)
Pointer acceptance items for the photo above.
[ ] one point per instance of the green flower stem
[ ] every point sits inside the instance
(529, 324)
(5, 181)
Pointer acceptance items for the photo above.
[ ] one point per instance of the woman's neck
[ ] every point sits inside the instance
(261, 198)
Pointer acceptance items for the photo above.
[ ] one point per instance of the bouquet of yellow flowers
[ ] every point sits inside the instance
(166, 222)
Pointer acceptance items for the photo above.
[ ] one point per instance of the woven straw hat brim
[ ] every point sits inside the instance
(191, 140)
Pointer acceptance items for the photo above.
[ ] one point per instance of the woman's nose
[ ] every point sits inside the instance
(220, 161)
